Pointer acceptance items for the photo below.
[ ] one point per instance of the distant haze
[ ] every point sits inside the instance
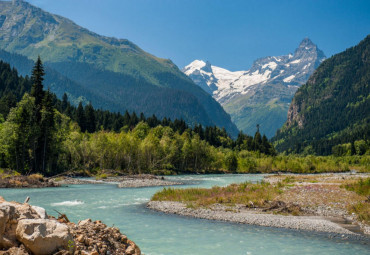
(229, 34)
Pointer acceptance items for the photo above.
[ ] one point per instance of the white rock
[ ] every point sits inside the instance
(40, 211)
(43, 236)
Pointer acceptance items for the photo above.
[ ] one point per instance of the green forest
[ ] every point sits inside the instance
(333, 108)
(40, 133)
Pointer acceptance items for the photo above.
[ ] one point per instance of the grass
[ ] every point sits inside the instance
(249, 162)
(102, 176)
(361, 209)
(36, 177)
(247, 193)
(298, 194)
(362, 187)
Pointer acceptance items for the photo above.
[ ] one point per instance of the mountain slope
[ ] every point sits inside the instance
(54, 81)
(333, 107)
(260, 95)
(117, 74)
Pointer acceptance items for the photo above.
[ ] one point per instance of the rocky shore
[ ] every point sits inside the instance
(27, 230)
(129, 181)
(320, 203)
(247, 216)
(32, 181)
(137, 181)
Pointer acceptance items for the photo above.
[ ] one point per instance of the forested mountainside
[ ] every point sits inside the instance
(331, 112)
(40, 133)
(262, 94)
(114, 74)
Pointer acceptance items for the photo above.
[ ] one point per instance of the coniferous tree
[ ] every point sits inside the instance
(37, 78)
(38, 93)
(90, 118)
(64, 102)
(80, 117)
(47, 129)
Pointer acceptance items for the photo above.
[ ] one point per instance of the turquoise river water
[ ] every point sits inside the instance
(157, 233)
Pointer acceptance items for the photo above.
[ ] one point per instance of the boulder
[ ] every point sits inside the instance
(8, 224)
(44, 236)
(15, 251)
(10, 214)
(40, 211)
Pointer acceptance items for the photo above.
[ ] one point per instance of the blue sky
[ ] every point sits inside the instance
(230, 34)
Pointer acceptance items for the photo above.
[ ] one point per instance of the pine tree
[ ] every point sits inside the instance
(38, 93)
(90, 118)
(80, 117)
(47, 127)
(37, 78)
(64, 102)
(257, 141)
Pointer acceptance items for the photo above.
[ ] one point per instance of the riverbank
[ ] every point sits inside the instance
(21, 181)
(306, 202)
(27, 230)
(246, 216)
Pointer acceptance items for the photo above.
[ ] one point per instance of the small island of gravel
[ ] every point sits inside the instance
(125, 181)
(330, 203)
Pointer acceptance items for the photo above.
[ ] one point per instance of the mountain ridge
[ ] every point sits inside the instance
(267, 87)
(29, 31)
(333, 107)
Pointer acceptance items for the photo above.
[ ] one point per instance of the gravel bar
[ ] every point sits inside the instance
(309, 223)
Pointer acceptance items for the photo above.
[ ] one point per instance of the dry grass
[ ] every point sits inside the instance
(246, 193)
(362, 208)
(330, 195)
(320, 195)
(36, 177)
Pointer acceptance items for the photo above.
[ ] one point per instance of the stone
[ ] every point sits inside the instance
(84, 222)
(130, 250)
(43, 236)
(15, 251)
(80, 238)
(8, 224)
(40, 211)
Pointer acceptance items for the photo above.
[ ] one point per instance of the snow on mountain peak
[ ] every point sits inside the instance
(288, 70)
(306, 42)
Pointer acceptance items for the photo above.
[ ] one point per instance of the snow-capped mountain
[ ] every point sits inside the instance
(269, 78)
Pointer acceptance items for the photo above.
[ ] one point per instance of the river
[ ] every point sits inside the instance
(156, 233)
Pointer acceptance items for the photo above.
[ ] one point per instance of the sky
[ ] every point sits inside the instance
(228, 33)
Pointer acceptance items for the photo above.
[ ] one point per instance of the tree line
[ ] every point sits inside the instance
(41, 133)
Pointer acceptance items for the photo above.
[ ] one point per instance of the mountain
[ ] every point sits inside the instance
(54, 81)
(114, 74)
(333, 107)
(260, 95)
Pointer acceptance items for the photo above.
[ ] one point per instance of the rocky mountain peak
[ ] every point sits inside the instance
(270, 79)
(306, 42)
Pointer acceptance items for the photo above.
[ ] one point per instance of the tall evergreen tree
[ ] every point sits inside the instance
(47, 130)
(37, 92)
(64, 102)
(80, 117)
(90, 118)
(37, 78)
